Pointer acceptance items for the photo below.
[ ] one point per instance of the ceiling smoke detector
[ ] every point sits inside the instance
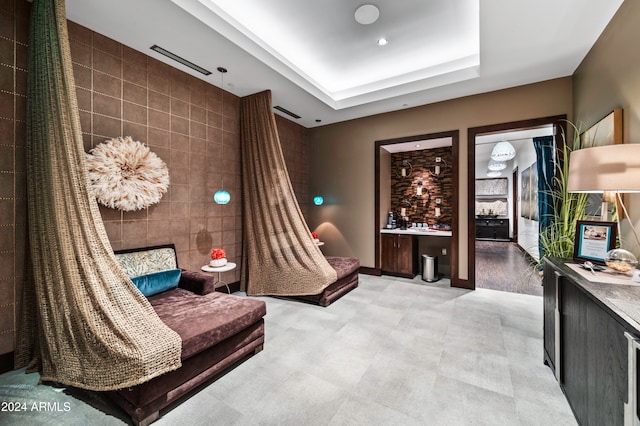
(367, 14)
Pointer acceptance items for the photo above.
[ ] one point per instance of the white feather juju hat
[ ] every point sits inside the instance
(126, 175)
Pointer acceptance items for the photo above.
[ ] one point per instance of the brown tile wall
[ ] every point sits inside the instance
(123, 92)
(422, 209)
(14, 16)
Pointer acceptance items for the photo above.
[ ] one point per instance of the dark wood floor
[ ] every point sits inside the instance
(502, 266)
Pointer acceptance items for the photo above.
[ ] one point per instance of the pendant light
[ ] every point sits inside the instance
(222, 196)
(494, 173)
(503, 151)
(495, 166)
(318, 199)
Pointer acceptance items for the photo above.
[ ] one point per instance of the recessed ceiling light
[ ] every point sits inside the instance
(418, 145)
(367, 14)
(382, 41)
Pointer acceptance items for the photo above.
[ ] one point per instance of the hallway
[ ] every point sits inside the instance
(502, 266)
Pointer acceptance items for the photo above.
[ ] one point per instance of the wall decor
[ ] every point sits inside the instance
(497, 186)
(525, 193)
(126, 175)
(491, 207)
(534, 192)
(607, 131)
(436, 190)
(593, 240)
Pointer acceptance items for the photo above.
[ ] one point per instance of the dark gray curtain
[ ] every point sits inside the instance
(545, 161)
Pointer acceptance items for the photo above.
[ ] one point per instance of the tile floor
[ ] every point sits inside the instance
(391, 352)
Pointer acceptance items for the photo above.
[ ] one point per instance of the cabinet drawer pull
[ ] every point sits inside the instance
(557, 328)
(631, 406)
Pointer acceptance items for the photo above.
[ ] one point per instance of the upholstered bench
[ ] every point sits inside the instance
(347, 271)
(217, 331)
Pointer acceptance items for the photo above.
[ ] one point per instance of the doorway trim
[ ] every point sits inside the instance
(514, 205)
(455, 151)
(559, 123)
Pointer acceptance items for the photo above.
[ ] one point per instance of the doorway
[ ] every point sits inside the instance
(484, 245)
(382, 173)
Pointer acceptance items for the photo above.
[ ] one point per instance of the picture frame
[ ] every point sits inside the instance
(492, 187)
(607, 131)
(593, 240)
(525, 193)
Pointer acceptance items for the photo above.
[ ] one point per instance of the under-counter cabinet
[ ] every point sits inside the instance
(492, 229)
(399, 255)
(586, 339)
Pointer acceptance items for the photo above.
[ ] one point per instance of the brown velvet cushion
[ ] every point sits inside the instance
(343, 265)
(203, 321)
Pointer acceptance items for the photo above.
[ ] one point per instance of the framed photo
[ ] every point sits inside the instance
(593, 240)
(498, 186)
(607, 131)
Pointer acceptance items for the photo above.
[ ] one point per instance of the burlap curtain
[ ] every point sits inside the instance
(280, 257)
(83, 323)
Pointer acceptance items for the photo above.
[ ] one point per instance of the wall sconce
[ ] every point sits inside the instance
(405, 169)
(222, 197)
(318, 200)
(440, 167)
(419, 188)
(404, 204)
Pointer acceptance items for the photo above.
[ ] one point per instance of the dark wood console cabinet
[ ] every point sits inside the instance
(588, 330)
(399, 255)
(492, 229)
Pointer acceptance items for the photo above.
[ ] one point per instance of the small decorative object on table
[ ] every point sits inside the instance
(218, 258)
(621, 261)
(315, 237)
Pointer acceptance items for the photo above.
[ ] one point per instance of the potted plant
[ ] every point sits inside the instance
(558, 238)
(218, 258)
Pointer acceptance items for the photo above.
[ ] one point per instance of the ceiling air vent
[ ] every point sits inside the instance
(179, 59)
(285, 111)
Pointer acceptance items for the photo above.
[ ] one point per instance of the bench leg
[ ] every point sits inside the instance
(147, 420)
(258, 349)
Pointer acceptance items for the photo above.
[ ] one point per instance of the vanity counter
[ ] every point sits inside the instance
(427, 232)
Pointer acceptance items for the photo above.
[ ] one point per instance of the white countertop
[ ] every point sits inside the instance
(427, 232)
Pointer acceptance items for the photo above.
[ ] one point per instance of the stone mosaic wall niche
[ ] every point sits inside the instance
(436, 190)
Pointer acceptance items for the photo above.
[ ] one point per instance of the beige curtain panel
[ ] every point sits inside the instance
(281, 258)
(83, 323)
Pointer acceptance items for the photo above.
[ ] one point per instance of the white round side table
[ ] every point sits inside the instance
(230, 266)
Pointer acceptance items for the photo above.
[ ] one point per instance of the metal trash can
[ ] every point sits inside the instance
(430, 268)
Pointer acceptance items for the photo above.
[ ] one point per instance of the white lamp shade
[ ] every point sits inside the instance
(503, 151)
(605, 168)
(494, 173)
(496, 165)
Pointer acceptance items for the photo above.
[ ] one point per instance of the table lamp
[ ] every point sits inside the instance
(614, 168)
